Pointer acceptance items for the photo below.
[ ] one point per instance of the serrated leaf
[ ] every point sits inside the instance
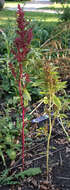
(29, 172)
(27, 97)
(25, 102)
(15, 99)
(57, 101)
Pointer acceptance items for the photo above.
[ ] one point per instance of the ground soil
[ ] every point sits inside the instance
(59, 162)
(35, 156)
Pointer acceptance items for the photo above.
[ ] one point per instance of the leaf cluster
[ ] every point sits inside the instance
(13, 179)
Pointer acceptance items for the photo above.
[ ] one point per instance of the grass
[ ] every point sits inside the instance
(55, 6)
(38, 20)
(12, 4)
(7, 16)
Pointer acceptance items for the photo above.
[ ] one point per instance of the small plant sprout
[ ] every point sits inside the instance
(51, 86)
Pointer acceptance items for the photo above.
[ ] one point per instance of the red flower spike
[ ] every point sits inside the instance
(23, 39)
(19, 51)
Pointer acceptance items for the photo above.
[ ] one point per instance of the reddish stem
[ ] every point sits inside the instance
(23, 138)
(21, 70)
(23, 112)
(21, 102)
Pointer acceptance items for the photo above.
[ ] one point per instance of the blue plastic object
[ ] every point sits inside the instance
(39, 119)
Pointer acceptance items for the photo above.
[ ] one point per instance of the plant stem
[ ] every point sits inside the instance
(64, 128)
(22, 106)
(36, 107)
(49, 137)
(48, 144)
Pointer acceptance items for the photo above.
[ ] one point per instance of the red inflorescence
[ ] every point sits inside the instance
(24, 36)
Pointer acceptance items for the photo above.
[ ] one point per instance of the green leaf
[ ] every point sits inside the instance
(27, 97)
(43, 92)
(57, 101)
(63, 116)
(2, 156)
(10, 101)
(26, 93)
(25, 131)
(5, 86)
(25, 102)
(12, 154)
(29, 172)
(15, 99)
(45, 100)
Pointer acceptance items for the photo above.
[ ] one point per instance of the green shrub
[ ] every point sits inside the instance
(66, 14)
(59, 1)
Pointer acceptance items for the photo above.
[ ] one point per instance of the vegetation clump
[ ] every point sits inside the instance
(31, 70)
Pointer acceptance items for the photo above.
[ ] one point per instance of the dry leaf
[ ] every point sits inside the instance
(45, 185)
(19, 188)
(34, 182)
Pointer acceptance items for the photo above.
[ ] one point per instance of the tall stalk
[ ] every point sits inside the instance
(49, 137)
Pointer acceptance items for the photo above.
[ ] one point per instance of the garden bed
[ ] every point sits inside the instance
(35, 156)
(37, 75)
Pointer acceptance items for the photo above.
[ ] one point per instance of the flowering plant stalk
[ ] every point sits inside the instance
(52, 88)
(20, 50)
